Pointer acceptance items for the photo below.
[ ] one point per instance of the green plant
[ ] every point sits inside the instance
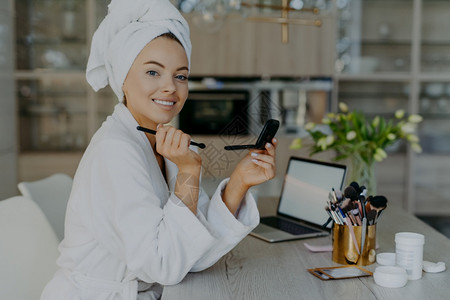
(363, 141)
(350, 132)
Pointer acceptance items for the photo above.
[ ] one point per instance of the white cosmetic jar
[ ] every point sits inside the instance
(390, 276)
(409, 253)
(386, 259)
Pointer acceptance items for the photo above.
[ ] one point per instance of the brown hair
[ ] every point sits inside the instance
(170, 36)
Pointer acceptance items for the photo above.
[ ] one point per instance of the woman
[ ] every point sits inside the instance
(136, 217)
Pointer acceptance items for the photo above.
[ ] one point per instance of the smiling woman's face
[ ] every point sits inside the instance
(156, 85)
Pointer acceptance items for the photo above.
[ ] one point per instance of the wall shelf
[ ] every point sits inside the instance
(421, 45)
(379, 76)
(57, 108)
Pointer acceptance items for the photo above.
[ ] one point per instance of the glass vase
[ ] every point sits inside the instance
(363, 172)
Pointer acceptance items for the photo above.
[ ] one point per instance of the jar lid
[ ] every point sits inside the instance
(386, 259)
(390, 276)
(409, 238)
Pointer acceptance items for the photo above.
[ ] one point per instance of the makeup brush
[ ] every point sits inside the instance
(330, 197)
(337, 215)
(377, 209)
(331, 209)
(367, 208)
(378, 201)
(339, 195)
(327, 209)
(345, 204)
(363, 190)
(355, 213)
(352, 218)
(200, 145)
(351, 193)
(334, 195)
(350, 228)
(361, 202)
(360, 207)
(363, 233)
(352, 206)
(371, 215)
(355, 185)
(330, 218)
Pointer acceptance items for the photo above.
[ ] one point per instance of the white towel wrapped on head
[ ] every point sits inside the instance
(129, 26)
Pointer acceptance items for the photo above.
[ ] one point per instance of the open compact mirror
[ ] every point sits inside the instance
(267, 134)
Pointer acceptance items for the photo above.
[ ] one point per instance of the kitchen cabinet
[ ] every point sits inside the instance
(8, 118)
(395, 55)
(228, 52)
(57, 110)
(56, 106)
(309, 52)
(254, 48)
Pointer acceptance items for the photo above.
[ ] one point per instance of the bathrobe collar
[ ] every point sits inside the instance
(161, 187)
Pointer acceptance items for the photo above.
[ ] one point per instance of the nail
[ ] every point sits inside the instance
(255, 161)
(254, 154)
(269, 145)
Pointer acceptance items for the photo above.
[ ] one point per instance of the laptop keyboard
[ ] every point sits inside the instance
(287, 226)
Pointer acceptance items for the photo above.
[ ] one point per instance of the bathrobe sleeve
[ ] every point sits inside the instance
(227, 228)
(158, 244)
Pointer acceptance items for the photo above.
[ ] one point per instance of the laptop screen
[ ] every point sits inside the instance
(306, 187)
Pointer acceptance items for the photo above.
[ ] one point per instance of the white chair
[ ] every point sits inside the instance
(51, 194)
(28, 249)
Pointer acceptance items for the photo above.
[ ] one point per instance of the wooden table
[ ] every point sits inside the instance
(255, 269)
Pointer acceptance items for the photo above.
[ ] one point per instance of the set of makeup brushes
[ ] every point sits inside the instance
(354, 208)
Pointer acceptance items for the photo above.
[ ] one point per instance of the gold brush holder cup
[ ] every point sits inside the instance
(344, 251)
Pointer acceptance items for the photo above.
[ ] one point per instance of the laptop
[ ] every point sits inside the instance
(301, 210)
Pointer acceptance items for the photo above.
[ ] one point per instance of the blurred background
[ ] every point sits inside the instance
(252, 60)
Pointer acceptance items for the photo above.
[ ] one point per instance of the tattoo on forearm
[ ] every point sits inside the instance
(187, 189)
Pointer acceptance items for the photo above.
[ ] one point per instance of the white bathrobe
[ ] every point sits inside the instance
(127, 234)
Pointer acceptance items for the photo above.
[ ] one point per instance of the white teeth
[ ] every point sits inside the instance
(168, 103)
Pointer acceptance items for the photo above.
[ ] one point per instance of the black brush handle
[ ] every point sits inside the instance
(151, 131)
(239, 147)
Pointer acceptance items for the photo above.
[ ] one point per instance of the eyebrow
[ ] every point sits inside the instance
(162, 66)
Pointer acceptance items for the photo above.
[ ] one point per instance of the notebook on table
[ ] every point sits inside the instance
(301, 209)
